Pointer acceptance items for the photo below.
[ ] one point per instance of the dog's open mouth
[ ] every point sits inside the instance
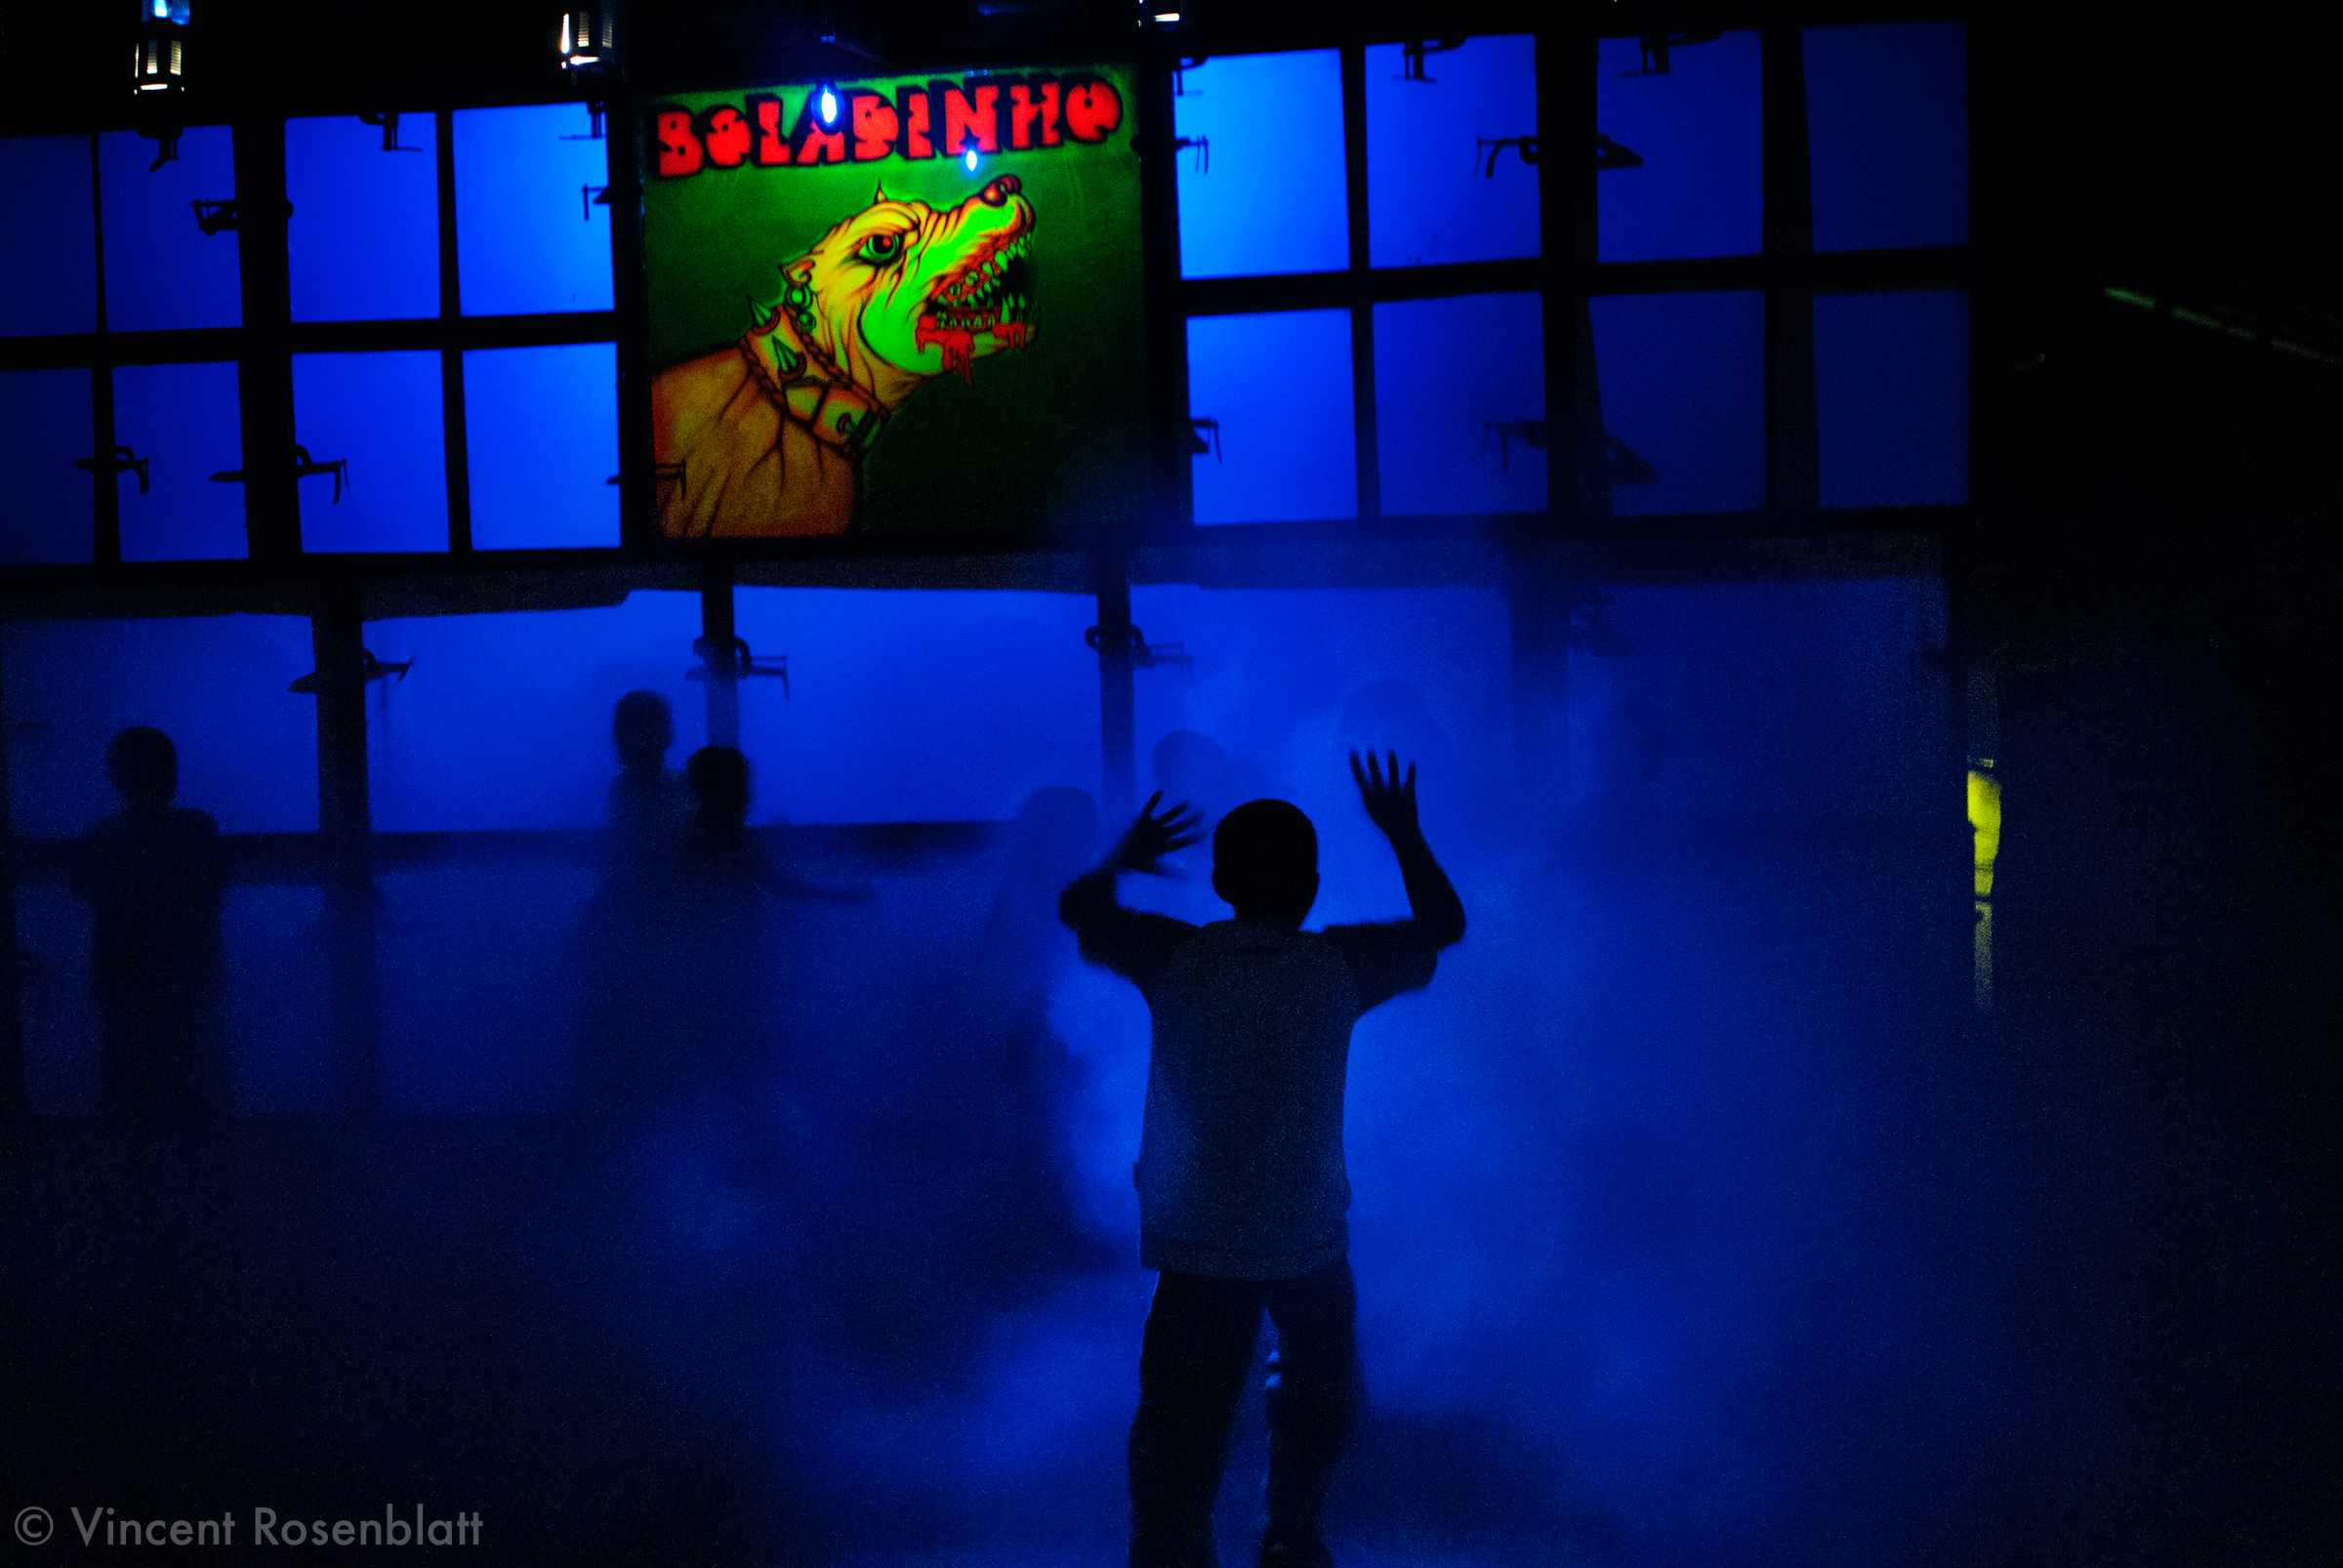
(992, 294)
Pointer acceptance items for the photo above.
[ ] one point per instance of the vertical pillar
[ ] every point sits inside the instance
(1794, 464)
(455, 434)
(106, 543)
(1172, 496)
(345, 823)
(13, 1094)
(720, 668)
(1118, 722)
(1365, 428)
(264, 375)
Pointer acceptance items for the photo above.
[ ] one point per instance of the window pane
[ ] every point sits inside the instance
(45, 502)
(184, 421)
(1891, 397)
(542, 433)
(162, 270)
(215, 684)
(1888, 126)
(1435, 192)
(1288, 681)
(379, 413)
(885, 686)
(1264, 194)
(1697, 128)
(49, 253)
(1459, 384)
(1682, 382)
(504, 722)
(365, 230)
(529, 236)
(1286, 448)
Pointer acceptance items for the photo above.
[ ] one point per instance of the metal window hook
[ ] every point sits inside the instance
(123, 461)
(1143, 654)
(1526, 145)
(1411, 56)
(388, 119)
(735, 663)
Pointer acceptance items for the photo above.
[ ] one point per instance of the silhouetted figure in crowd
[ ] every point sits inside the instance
(153, 874)
(647, 799)
(1243, 1192)
(1027, 953)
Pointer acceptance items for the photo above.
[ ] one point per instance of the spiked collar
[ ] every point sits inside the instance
(808, 387)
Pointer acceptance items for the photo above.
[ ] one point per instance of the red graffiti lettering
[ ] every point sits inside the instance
(1028, 104)
(1093, 108)
(815, 145)
(679, 149)
(960, 118)
(874, 128)
(912, 105)
(772, 145)
(726, 136)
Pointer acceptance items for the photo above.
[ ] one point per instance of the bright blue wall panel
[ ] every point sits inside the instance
(1682, 378)
(48, 249)
(1266, 194)
(215, 684)
(162, 270)
(529, 238)
(1288, 443)
(1433, 195)
(941, 704)
(380, 411)
(1697, 128)
(364, 236)
(1887, 123)
(45, 502)
(1447, 374)
(1891, 394)
(542, 443)
(184, 420)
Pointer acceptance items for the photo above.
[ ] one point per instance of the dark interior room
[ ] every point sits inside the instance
(814, 787)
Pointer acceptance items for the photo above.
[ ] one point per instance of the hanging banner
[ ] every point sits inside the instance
(905, 310)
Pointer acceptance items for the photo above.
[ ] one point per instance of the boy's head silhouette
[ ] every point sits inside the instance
(643, 728)
(719, 778)
(1265, 862)
(144, 767)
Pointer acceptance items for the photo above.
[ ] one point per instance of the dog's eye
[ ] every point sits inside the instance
(883, 247)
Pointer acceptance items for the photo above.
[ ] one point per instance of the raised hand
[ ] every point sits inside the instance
(1390, 802)
(1150, 837)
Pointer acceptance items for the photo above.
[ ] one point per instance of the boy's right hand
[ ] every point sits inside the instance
(1391, 801)
(1151, 838)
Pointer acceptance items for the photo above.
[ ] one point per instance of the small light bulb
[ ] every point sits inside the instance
(828, 107)
(969, 158)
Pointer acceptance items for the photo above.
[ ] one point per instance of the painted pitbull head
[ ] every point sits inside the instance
(899, 292)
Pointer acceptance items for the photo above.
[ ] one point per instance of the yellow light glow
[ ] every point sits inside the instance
(1984, 823)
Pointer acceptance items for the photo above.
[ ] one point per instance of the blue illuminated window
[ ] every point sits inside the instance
(364, 236)
(1442, 183)
(379, 413)
(1459, 394)
(1891, 395)
(184, 420)
(45, 501)
(1285, 447)
(542, 433)
(1682, 382)
(504, 720)
(162, 270)
(529, 235)
(1000, 682)
(49, 252)
(1288, 681)
(1265, 191)
(1697, 128)
(1887, 124)
(215, 684)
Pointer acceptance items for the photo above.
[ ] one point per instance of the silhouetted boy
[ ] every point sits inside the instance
(647, 801)
(153, 874)
(1243, 1193)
